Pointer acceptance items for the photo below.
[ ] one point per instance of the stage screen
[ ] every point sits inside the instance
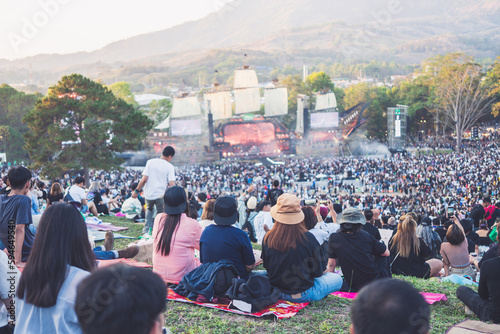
(189, 127)
(249, 133)
(324, 120)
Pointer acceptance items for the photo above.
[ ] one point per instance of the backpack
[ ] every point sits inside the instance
(223, 281)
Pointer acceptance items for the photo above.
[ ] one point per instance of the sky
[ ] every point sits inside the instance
(31, 27)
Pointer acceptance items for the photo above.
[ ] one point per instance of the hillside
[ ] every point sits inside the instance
(291, 32)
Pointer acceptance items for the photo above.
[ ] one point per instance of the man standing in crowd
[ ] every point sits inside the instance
(157, 176)
(478, 211)
(77, 193)
(273, 194)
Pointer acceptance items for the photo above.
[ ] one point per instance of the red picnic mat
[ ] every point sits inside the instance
(430, 298)
(130, 262)
(280, 310)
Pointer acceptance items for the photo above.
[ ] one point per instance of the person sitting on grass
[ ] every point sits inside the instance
(55, 194)
(293, 258)
(362, 257)
(78, 197)
(134, 301)
(60, 260)
(455, 251)
(223, 241)
(390, 306)
(207, 217)
(409, 253)
(176, 236)
(485, 303)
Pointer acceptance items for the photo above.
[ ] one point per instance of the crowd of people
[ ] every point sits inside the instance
(318, 234)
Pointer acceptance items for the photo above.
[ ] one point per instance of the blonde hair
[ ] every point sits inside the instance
(406, 237)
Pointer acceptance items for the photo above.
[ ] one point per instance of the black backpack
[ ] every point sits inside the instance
(223, 281)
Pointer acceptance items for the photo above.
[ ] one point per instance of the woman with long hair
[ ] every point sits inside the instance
(293, 258)
(55, 194)
(409, 253)
(455, 251)
(61, 257)
(207, 217)
(176, 236)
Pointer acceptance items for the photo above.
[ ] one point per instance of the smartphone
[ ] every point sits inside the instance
(309, 201)
(451, 210)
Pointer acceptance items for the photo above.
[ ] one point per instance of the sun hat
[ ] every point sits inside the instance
(175, 200)
(225, 211)
(352, 216)
(252, 203)
(287, 210)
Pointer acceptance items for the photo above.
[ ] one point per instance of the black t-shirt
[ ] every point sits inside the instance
(52, 199)
(372, 230)
(414, 264)
(441, 231)
(492, 253)
(273, 195)
(355, 253)
(294, 271)
(476, 214)
(489, 288)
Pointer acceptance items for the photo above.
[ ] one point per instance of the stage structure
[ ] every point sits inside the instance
(396, 128)
(322, 124)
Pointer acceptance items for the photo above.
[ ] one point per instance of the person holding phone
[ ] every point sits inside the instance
(455, 251)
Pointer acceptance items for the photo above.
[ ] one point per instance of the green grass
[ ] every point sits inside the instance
(331, 315)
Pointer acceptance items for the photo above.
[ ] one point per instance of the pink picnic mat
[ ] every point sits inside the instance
(101, 227)
(130, 262)
(431, 298)
(280, 310)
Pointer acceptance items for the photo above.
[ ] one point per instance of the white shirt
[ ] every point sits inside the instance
(262, 218)
(159, 172)
(60, 318)
(77, 193)
(5, 284)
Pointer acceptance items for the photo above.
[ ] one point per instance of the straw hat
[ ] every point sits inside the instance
(287, 210)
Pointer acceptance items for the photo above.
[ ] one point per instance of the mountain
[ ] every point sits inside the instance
(297, 31)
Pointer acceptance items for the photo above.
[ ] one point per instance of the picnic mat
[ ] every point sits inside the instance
(473, 326)
(130, 262)
(99, 236)
(430, 298)
(103, 227)
(280, 310)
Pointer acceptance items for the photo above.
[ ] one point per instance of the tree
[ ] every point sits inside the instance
(493, 81)
(159, 110)
(459, 90)
(122, 91)
(81, 124)
(319, 81)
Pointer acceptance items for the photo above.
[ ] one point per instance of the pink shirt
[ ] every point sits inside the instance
(181, 259)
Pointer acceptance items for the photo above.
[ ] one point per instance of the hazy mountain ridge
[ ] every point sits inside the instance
(294, 31)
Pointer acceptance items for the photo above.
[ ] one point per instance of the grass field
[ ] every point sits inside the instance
(331, 315)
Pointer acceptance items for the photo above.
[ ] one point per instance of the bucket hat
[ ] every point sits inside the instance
(225, 211)
(287, 210)
(175, 200)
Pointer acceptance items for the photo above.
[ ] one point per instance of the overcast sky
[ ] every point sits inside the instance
(30, 27)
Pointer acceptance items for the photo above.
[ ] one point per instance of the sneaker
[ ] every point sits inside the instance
(128, 252)
(109, 241)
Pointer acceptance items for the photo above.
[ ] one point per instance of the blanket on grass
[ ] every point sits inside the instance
(280, 310)
(473, 326)
(130, 262)
(105, 227)
(99, 236)
(431, 298)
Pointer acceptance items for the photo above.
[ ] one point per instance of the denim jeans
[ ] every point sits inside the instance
(101, 254)
(159, 203)
(322, 287)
